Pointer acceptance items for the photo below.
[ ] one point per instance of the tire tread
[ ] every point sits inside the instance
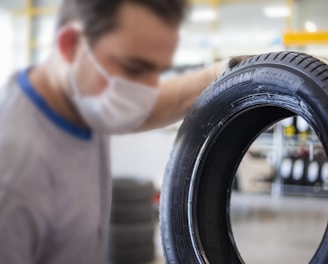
(310, 65)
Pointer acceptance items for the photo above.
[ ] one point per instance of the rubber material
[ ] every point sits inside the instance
(135, 254)
(131, 234)
(132, 189)
(132, 212)
(132, 223)
(223, 123)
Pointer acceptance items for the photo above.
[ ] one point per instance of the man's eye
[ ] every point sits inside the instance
(133, 70)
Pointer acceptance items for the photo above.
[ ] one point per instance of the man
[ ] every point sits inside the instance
(101, 78)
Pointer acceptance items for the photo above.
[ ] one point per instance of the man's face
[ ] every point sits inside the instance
(139, 49)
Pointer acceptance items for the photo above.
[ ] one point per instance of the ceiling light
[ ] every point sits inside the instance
(277, 11)
(311, 26)
(199, 15)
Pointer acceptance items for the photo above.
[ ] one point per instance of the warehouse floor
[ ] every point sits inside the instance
(274, 229)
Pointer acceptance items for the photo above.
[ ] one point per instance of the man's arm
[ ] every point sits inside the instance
(25, 207)
(18, 231)
(178, 94)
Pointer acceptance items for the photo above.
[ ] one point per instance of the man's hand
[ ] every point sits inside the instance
(234, 61)
(178, 94)
(226, 64)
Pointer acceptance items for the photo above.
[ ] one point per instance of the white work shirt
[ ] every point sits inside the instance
(54, 183)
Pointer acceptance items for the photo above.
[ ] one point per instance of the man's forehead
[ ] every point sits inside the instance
(138, 17)
(148, 64)
(128, 10)
(148, 52)
(141, 39)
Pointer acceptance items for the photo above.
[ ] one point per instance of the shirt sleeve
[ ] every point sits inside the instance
(21, 230)
(24, 206)
(25, 194)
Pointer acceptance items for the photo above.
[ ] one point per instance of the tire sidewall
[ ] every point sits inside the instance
(244, 88)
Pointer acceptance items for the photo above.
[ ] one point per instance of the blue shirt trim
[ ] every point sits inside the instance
(55, 118)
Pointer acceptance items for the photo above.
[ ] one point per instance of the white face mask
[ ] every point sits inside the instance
(121, 108)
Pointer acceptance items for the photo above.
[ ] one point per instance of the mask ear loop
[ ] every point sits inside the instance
(73, 83)
(92, 58)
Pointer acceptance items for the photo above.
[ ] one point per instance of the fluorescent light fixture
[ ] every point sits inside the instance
(203, 15)
(311, 26)
(277, 11)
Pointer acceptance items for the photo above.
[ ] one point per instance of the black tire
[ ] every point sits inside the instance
(132, 189)
(324, 173)
(134, 254)
(225, 120)
(313, 173)
(124, 234)
(299, 171)
(286, 170)
(132, 212)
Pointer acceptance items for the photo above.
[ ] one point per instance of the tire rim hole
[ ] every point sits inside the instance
(288, 220)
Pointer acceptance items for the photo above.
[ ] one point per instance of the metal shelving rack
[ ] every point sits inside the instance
(280, 147)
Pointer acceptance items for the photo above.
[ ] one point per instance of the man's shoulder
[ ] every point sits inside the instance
(14, 110)
(18, 129)
(17, 149)
(12, 100)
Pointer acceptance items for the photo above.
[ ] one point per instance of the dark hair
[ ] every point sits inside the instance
(99, 16)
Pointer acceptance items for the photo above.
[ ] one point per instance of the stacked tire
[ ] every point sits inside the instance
(132, 222)
(302, 172)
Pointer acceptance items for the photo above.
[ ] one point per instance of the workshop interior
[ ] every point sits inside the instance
(278, 207)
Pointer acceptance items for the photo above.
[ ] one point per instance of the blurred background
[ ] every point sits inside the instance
(214, 29)
(281, 188)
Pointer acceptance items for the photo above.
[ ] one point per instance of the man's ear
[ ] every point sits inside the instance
(68, 39)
